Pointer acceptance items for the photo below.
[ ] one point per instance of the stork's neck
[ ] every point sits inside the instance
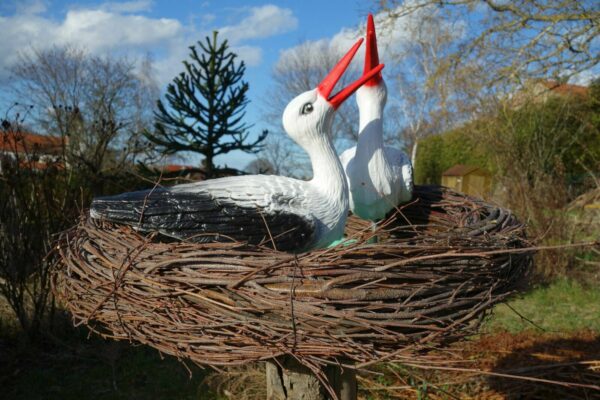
(328, 173)
(370, 108)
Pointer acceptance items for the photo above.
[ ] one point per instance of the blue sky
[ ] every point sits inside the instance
(258, 30)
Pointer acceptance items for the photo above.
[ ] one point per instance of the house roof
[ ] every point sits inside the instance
(173, 167)
(198, 173)
(26, 142)
(460, 170)
(565, 89)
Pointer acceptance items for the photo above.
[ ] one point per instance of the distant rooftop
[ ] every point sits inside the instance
(196, 173)
(26, 142)
(460, 170)
(172, 167)
(565, 88)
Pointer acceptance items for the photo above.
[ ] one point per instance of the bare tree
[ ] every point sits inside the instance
(35, 203)
(518, 38)
(100, 104)
(285, 157)
(430, 97)
(260, 166)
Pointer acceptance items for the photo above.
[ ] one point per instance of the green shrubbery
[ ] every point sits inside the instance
(542, 154)
(560, 134)
(438, 153)
(37, 202)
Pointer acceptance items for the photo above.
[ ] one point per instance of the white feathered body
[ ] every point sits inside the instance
(377, 184)
(379, 177)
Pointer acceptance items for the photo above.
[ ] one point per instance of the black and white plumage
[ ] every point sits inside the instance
(298, 215)
(240, 207)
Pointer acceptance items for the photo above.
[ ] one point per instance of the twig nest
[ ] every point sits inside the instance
(439, 263)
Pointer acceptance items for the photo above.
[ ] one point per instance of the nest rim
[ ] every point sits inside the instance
(427, 284)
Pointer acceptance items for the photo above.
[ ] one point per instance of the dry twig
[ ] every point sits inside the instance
(228, 303)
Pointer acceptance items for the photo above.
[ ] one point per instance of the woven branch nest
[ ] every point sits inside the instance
(440, 262)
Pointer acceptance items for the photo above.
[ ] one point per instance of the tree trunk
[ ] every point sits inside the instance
(209, 168)
(413, 155)
(287, 379)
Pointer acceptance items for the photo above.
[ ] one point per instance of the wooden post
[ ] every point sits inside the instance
(287, 379)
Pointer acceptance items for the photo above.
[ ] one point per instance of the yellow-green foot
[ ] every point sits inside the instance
(342, 241)
(374, 239)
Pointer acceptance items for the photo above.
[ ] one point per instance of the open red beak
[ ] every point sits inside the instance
(371, 55)
(326, 86)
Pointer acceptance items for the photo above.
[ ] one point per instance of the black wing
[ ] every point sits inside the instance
(199, 217)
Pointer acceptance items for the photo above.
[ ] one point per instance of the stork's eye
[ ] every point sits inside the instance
(307, 108)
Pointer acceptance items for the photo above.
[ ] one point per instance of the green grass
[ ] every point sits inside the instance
(561, 306)
(82, 368)
(98, 370)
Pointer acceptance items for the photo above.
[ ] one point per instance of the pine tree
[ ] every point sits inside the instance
(206, 107)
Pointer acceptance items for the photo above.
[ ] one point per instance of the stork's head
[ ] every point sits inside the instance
(374, 90)
(308, 117)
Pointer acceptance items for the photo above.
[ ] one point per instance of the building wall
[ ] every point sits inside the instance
(453, 182)
(476, 183)
(38, 160)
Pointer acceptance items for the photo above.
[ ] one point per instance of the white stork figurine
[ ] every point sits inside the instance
(379, 177)
(298, 215)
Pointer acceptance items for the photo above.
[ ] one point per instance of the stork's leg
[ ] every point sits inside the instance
(374, 238)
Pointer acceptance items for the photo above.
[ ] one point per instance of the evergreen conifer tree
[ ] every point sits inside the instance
(206, 107)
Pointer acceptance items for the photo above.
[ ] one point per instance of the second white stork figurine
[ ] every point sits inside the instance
(297, 215)
(379, 177)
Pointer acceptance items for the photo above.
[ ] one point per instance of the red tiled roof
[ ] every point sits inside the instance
(459, 170)
(25, 142)
(565, 88)
(173, 167)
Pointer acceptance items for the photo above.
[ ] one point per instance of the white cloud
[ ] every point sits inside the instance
(207, 18)
(338, 44)
(120, 27)
(262, 22)
(95, 29)
(585, 78)
(31, 7)
(394, 35)
(21, 32)
(252, 55)
(265, 21)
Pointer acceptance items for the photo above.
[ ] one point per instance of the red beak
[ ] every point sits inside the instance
(326, 86)
(371, 55)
